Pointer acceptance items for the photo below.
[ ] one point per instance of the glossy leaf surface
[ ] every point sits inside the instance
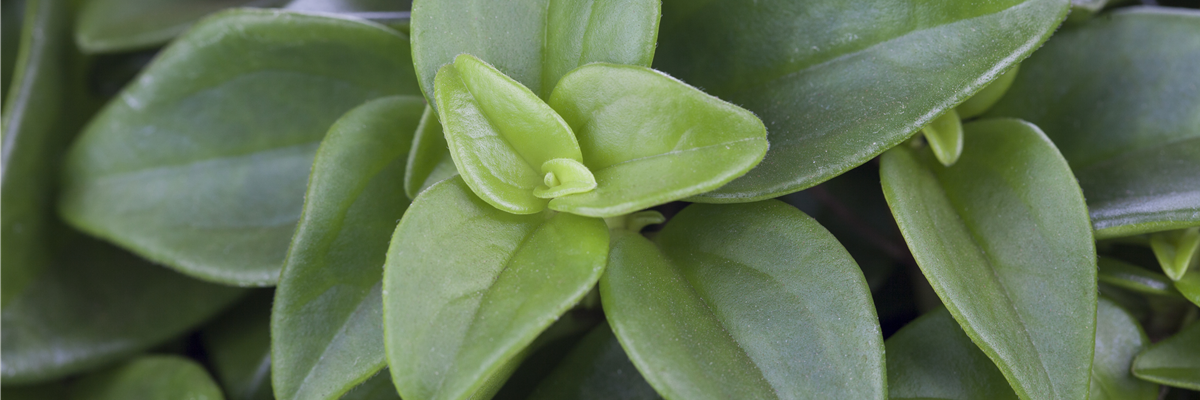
(328, 316)
(1174, 361)
(149, 377)
(1122, 274)
(1119, 339)
(596, 369)
(932, 357)
(744, 301)
(468, 287)
(988, 96)
(651, 139)
(429, 160)
(194, 167)
(837, 82)
(533, 41)
(500, 134)
(1130, 125)
(106, 26)
(238, 346)
(1003, 238)
(76, 315)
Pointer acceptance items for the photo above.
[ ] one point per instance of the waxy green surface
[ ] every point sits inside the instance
(149, 377)
(467, 288)
(1119, 338)
(837, 82)
(1003, 237)
(327, 324)
(1117, 96)
(1174, 361)
(708, 312)
(1128, 276)
(108, 26)
(201, 164)
(932, 357)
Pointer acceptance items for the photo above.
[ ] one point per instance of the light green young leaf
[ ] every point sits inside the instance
(109, 26)
(932, 357)
(149, 377)
(945, 137)
(1003, 237)
(1116, 96)
(1174, 361)
(1128, 276)
(201, 163)
(1119, 338)
(1177, 251)
(988, 96)
(596, 369)
(327, 324)
(238, 346)
(467, 288)
(651, 139)
(533, 41)
(748, 301)
(1189, 286)
(837, 82)
(503, 138)
(429, 160)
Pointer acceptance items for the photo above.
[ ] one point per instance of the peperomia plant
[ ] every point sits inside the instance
(472, 199)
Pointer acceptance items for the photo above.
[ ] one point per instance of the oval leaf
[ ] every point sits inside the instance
(650, 139)
(500, 134)
(744, 301)
(109, 26)
(468, 287)
(201, 164)
(1174, 361)
(1117, 95)
(327, 322)
(837, 82)
(932, 357)
(596, 369)
(1003, 238)
(429, 161)
(238, 346)
(533, 41)
(1119, 339)
(150, 377)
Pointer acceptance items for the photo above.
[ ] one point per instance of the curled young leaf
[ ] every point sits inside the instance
(1176, 251)
(651, 139)
(503, 137)
(945, 137)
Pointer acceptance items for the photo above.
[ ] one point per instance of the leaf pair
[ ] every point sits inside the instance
(612, 139)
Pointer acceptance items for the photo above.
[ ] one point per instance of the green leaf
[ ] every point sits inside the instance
(378, 387)
(351, 7)
(744, 301)
(533, 41)
(35, 130)
(1003, 238)
(94, 305)
(13, 13)
(201, 164)
(1189, 286)
(1117, 97)
(1128, 276)
(932, 357)
(110, 26)
(945, 137)
(837, 82)
(597, 368)
(988, 96)
(501, 135)
(1119, 339)
(1176, 251)
(1174, 361)
(651, 139)
(238, 346)
(328, 317)
(468, 287)
(429, 161)
(149, 377)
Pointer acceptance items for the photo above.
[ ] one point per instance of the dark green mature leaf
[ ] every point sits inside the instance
(932, 357)
(239, 347)
(597, 368)
(1119, 339)
(107, 26)
(429, 161)
(468, 287)
(12, 14)
(328, 317)
(839, 81)
(96, 304)
(1118, 97)
(34, 134)
(1003, 238)
(533, 41)
(1128, 276)
(1174, 361)
(201, 164)
(744, 301)
(149, 378)
(651, 139)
